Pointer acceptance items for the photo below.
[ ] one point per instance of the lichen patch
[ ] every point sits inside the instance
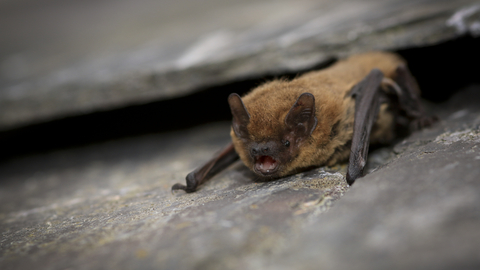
(467, 135)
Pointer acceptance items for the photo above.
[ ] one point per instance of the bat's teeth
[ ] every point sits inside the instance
(266, 164)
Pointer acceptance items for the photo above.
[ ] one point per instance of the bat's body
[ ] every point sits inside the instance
(269, 104)
(321, 118)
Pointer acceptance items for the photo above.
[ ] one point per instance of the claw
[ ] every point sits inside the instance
(177, 187)
(191, 186)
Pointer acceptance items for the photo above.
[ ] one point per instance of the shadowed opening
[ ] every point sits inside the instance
(440, 70)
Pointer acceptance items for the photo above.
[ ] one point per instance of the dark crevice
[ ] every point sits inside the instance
(443, 69)
(439, 69)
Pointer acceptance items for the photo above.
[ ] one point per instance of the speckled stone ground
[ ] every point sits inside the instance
(109, 206)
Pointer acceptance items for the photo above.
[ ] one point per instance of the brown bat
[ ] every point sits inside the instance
(321, 118)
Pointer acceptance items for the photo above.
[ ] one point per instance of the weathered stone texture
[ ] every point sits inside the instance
(65, 60)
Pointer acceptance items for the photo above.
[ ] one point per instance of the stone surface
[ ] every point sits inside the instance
(109, 206)
(60, 59)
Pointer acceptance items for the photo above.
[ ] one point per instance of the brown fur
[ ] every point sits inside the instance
(269, 103)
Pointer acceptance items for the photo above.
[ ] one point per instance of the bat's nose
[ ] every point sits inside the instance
(262, 148)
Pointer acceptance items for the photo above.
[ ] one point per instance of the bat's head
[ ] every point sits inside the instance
(269, 150)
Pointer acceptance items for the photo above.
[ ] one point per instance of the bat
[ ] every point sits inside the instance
(320, 118)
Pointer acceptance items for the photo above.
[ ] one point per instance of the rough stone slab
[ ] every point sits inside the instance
(76, 57)
(75, 208)
(109, 206)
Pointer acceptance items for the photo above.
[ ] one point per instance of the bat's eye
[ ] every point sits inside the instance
(286, 143)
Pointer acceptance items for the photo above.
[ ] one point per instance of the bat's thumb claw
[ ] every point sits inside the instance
(177, 187)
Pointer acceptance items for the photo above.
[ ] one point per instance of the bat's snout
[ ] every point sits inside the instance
(265, 158)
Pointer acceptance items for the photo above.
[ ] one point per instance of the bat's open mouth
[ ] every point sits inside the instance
(266, 165)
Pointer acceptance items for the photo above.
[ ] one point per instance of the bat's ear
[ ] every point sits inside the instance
(301, 117)
(241, 118)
